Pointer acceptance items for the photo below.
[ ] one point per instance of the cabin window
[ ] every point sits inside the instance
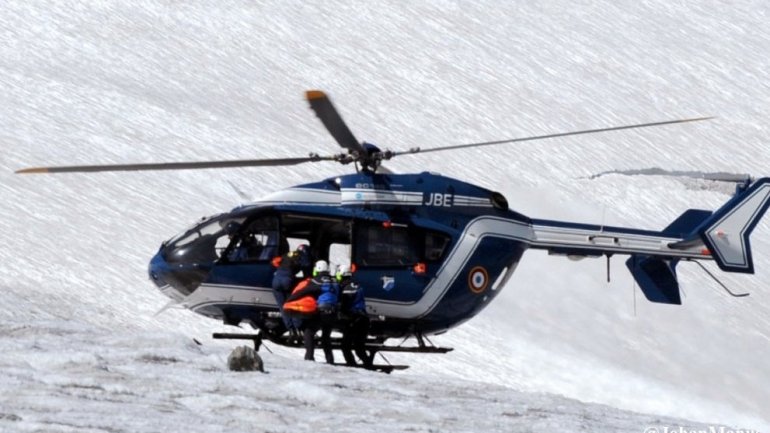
(294, 243)
(325, 235)
(339, 254)
(380, 246)
(435, 245)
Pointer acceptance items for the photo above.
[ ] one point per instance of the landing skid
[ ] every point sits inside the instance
(384, 368)
(256, 338)
(372, 347)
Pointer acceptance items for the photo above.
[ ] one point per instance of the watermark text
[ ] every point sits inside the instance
(708, 429)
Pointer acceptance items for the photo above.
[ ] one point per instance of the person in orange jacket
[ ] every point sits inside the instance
(303, 304)
(284, 279)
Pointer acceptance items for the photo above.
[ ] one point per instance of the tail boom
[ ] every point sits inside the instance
(722, 236)
(589, 240)
(654, 255)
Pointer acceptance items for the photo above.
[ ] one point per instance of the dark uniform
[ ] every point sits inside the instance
(284, 279)
(354, 321)
(327, 311)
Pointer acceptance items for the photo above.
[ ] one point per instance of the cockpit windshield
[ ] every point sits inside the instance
(225, 239)
(203, 243)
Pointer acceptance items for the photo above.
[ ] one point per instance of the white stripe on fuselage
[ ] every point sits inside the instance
(220, 294)
(302, 196)
(353, 196)
(469, 241)
(541, 236)
(609, 241)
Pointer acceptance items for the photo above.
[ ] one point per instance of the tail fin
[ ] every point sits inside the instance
(690, 220)
(726, 232)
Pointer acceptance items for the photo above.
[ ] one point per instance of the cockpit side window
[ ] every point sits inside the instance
(259, 240)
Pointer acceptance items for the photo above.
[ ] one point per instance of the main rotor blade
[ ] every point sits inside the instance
(176, 165)
(324, 109)
(561, 134)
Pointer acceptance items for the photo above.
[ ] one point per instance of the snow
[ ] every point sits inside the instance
(560, 348)
(69, 376)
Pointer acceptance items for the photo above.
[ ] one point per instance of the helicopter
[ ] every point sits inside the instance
(430, 251)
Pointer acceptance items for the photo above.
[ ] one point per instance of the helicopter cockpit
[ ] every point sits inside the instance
(199, 244)
(186, 260)
(224, 238)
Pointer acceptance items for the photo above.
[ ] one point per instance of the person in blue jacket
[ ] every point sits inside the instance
(327, 305)
(354, 319)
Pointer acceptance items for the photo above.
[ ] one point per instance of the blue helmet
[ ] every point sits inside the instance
(304, 260)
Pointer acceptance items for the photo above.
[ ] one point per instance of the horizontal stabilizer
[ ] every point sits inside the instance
(656, 277)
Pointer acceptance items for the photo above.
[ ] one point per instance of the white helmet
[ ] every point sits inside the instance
(321, 267)
(343, 271)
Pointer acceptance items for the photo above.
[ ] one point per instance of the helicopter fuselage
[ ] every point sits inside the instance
(430, 251)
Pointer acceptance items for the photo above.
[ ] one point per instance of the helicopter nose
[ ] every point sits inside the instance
(158, 271)
(175, 280)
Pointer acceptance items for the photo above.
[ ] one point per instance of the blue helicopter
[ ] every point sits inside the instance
(430, 251)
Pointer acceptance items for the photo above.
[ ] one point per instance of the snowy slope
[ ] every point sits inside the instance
(70, 377)
(156, 81)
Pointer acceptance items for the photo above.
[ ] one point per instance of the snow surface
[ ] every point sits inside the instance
(560, 349)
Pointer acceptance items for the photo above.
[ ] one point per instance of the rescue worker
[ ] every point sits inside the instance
(327, 305)
(311, 296)
(354, 319)
(301, 309)
(285, 279)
